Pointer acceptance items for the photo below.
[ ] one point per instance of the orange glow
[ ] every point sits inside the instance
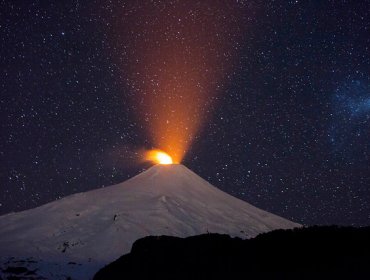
(159, 157)
(179, 55)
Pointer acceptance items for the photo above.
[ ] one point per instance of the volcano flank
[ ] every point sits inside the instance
(98, 226)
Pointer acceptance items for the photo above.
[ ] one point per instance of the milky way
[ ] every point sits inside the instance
(349, 129)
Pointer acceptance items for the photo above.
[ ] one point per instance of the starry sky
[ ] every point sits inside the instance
(281, 91)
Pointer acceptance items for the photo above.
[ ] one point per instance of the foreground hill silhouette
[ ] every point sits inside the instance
(302, 253)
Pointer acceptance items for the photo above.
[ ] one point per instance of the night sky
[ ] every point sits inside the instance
(277, 95)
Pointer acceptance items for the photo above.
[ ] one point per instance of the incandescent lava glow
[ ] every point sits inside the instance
(159, 157)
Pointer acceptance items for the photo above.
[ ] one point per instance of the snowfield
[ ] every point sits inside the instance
(78, 234)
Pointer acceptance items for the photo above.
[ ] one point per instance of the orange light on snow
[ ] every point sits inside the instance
(159, 157)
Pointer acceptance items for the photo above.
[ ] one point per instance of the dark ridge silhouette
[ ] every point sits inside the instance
(328, 252)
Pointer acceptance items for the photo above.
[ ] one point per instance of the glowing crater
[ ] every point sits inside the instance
(159, 157)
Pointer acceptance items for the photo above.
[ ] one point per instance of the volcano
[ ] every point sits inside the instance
(94, 228)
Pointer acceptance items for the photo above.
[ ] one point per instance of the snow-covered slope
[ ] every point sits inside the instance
(99, 226)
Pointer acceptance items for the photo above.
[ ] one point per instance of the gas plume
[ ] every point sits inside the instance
(178, 55)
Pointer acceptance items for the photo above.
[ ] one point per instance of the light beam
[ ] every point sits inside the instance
(179, 55)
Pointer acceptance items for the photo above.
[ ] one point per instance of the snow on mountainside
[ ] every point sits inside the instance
(98, 226)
